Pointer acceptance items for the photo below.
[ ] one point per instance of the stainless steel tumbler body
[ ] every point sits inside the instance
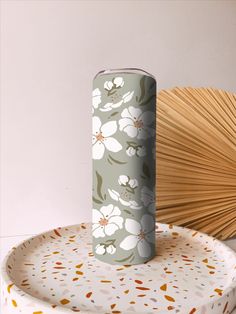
(123, 152)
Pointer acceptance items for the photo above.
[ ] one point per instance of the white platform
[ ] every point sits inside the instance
(8, 242)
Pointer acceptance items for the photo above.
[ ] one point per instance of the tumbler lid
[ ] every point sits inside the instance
(125, 70)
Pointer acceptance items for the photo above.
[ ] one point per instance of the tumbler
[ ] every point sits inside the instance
(124, 167)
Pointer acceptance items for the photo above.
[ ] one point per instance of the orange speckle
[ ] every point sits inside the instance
(126, 291)
(205, 260)
(192, 311)
(39, 312)
(113, 305)
(169, 298)
(88, 295)
(211, 267)
(219, 291)
(79, 272)
(14, 303)
(141, 295)
(121, 268)
(9, 287)
(57, 233)
(142, 288)
(164, 287)
(138, 281)
(170, 307)
(55, 252)
(79, 265)
(64, 301)
(105, 281)
(175, 234)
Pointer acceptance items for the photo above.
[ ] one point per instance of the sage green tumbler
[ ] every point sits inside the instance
(124, 167)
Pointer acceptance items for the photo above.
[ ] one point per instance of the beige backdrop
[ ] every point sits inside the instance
(50, 51)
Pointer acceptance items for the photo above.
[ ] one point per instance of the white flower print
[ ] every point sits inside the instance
(123, 180)
(108, 85)
(148, 198)
(126, 181)
(102, 138)
(130, 151)
(117, 197)
(136, 123)
(96, 98)
(133, 183)
(141, 235)
(106, 221)
(116, 99)
(124, 99)
(102, 249)
(117, 83)
(141, 151)
(111, 249)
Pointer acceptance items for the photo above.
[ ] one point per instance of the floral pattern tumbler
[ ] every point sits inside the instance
(123, 151)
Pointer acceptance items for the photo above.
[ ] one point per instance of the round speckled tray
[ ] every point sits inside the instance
(56, 272)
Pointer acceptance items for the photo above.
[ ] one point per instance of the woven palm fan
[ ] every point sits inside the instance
(196, 160)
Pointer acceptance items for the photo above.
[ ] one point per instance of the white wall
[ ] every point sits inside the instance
(50, 51)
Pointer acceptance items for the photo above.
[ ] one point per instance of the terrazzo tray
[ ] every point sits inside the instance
(56, 272)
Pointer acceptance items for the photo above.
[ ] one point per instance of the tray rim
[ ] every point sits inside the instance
(6, 280)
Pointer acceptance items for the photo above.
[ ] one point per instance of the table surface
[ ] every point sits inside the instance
(6, 243)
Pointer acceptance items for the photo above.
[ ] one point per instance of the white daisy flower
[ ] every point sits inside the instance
(106, 221)
(102, 139)
(136, 123)
(141, 235)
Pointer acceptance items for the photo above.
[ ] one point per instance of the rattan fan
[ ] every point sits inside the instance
(196, 159)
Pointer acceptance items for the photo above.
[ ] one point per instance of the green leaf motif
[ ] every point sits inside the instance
(147, 101)
(142, 88)
(131, 143)
(124, 259)
(114, 113)
(99, 185)
(96, 200)
(127, 211)
(117, 161)
(146, 170)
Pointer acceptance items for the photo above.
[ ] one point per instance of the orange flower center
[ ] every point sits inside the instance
(138, 124)
(103, 222)
(100, 137)
(141, 235)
